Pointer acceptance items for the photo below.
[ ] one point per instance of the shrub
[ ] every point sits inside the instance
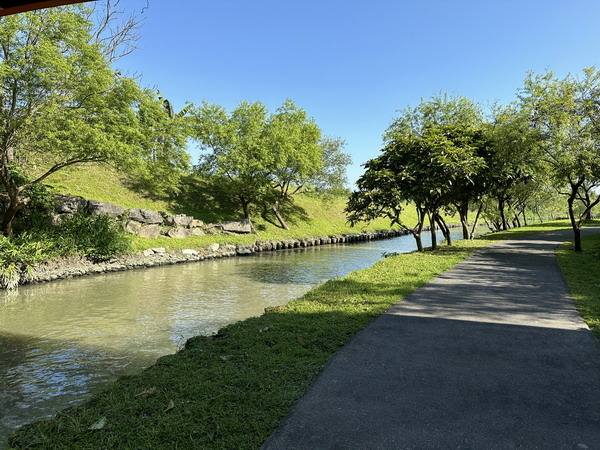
(96, 237)
(17, 256)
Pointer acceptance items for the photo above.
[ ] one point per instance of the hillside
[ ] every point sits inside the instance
(311, 215)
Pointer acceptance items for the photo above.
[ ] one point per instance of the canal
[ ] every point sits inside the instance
(60, 342)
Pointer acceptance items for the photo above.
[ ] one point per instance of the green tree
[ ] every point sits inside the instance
(164, 136)
(566, 114)
(512, 160)
(60, 102)
(395, 178)
(431, 160)
(263, 159)
(238, 156)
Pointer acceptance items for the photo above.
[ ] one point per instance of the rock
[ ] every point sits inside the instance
(213, 247)
(97, 208)
(158, 250)
(183, 221)
(237, 226)
(197, 232)
(197, 223)
(244, 251)
(145, 216)
(149, 231)
(178, 233)
(190, 251)
(133, 227)
(69, 204)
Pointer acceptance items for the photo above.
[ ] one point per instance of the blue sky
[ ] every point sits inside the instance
(352, 64)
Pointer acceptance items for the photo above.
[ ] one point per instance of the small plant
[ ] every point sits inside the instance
(17, 256)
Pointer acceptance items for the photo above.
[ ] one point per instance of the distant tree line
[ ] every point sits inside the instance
(446, 155)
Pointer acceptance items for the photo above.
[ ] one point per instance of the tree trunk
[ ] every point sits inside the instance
(245, 207)
(576, 226)
(10, 213)
(275, 208)
(418, 241)
(445, 229)
(502, 214)
(463, 214)
(432, 230)
(472, 232)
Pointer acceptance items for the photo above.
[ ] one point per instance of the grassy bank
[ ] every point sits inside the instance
(311, 215)
(230, 390)
(581, 272)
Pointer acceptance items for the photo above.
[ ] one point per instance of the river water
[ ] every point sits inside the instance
(60, 342)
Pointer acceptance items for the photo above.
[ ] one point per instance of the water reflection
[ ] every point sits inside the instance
(59, 342)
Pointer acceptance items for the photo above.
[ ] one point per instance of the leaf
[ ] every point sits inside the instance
(147, 392)
(301, 341)
(170, 406)
(101, 423)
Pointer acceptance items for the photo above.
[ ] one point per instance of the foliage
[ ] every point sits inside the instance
(96, 237)
(164, 137)
(430, 160)
(60, 101)
(17, 255)
(565, 114)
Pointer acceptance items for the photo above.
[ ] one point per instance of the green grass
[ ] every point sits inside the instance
(310, 216)
(581, 272)
(231, 390)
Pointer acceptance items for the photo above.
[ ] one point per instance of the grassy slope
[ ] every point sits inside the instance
(312, 215)
(581, 272)
(231, 390)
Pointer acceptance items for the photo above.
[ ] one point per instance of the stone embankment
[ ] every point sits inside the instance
(78, 266)
(146, 223)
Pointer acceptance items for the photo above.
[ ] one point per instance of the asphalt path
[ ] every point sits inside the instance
(491, 354)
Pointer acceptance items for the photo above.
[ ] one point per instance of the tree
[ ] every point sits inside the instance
(392, 180)
(453, 127)
(512, 160)
(566, 114)
(295, 156)
(431, 160)
(263, 159)
(164, 136)
(60, 102)
(238, 157)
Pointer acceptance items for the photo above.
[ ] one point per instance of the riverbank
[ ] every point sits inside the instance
(230, 390)
(76, 266)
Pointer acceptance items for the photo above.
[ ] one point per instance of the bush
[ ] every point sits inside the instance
(96, 237)
(17, 256)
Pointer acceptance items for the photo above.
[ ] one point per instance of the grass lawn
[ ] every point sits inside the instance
(582, 273)
(230, 390)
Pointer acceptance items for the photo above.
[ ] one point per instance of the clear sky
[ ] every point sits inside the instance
(352, 64)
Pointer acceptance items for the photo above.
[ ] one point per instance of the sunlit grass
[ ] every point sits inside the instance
(582, 273)
(231, 390)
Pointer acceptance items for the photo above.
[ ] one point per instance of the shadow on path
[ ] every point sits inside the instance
(491, 354)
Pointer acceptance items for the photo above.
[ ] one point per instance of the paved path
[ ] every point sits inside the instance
(491, 354)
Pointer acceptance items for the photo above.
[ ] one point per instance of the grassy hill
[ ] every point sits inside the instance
(311, 214)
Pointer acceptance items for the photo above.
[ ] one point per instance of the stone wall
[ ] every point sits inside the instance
(75, 266)
(147, 223)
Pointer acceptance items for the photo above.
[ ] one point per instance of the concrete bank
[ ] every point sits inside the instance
(78, 266)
